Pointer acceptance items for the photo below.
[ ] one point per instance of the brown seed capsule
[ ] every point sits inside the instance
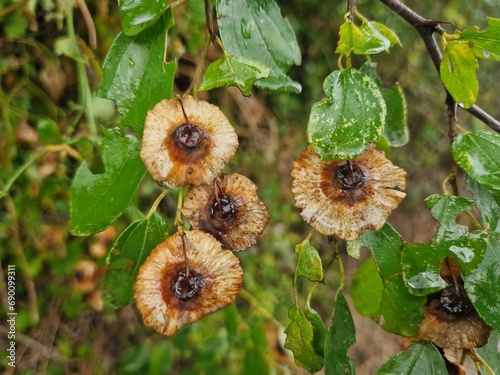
(451, 322)
(344, 198)
(171, 294)
(186, 142)
(229, 209)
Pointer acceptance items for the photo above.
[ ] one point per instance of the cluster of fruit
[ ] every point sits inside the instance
(193, 273)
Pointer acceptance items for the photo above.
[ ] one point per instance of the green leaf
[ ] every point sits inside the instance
(309, 262)
(445, 208)
(487, 203)
(350, 35)
(482, 285)
(238, 71)
(367, 288)
(378, 288)
(485, 55)
(490, 352)
(488, 39)
(129, 251)
(477, 154)
(139, 15)
(48, 132)
(458, 72)
(340, 337)
(340, 126)
(396, 129)
(135, 75)
(319, 331)
(370, 38)
(97, 200)
(299, 339)
(421, 358)
(256, 30)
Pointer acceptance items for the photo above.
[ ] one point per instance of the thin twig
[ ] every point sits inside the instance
(452, 133)
(89, 22)
(426, 28)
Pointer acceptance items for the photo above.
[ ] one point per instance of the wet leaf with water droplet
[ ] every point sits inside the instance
(256, 30)
(477, 154)
(135, 75)
(237, 71)
(354, 114)
(97, 200)
(139, 15)
(378, 289)
(421, 358)
(396, 130)
(133, 245)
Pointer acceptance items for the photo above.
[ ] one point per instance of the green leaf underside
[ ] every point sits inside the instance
(139, 15)
(299, 339)
(127, 254)
(340, 337)
(487, 40)
(378, 289)
(340, 126)
(319, 331)
(97, 200)
(238, 71)
(135, 75)
(477, 154)
(309, 262)
(396, 130)
(421, 358)
(256, 30)
(482, 285)
(490, 352)
(458, 72)
(488, 204)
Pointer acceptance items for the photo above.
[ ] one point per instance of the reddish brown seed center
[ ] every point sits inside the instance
(187, 286)
(188, 135)
(222, 209)
(350, 176)
(457, 304)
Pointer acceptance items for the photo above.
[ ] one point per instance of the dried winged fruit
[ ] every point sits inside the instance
(344, 198)
(187, 142)
(229, 209)
(171, 293)
(451, 322)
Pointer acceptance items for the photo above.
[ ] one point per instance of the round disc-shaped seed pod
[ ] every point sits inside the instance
(169, 297)
(186, 141)
(229, 209)
(344, 198)
(451, 322)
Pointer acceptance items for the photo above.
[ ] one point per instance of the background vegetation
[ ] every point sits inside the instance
(47, 85)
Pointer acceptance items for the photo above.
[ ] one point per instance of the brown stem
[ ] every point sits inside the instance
(426, 28)
(351, 8)
(184, 111)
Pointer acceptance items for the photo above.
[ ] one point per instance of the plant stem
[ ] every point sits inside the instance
(477, 358)
(452, 133)
(178, 219)
(426, 29)
(157, 202)
(254, 302)
(351, 9)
